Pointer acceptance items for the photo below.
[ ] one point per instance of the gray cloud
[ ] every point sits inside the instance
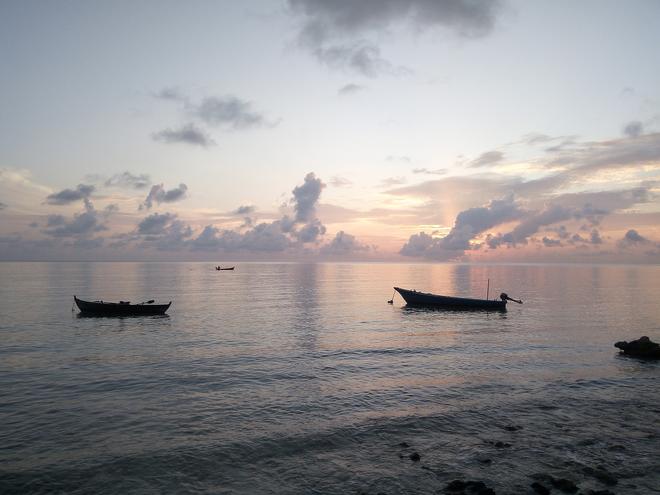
(310, 232)
(155, 223)
(164, 231)
(158, 195)
(392, 181)
(244, 210)
(188, 134)
(129, 180)
(229, 111)
(469, 223)
(547, 242)
(487, 158)
(343, 244)
(350, 89)
(633, 237)
(633, 129)
(306, 196)
(68, 196)
(325, 23)
(171, 93)
(82, 225)
(2, 206)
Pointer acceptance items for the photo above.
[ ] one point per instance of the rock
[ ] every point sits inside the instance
(455, 486)
(642, 348)
(540, 489)
(601, 475)
(512, 428)
(564, 485)
(502, 445)
(469, 488)
(599, 492)
(415, 457)
(404, 445)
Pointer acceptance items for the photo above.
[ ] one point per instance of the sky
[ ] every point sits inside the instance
(379, 130)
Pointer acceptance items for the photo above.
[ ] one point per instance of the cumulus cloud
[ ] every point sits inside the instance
(343, 244)
(188, 134)
(244, 210)
(163, 231)
(82, 225)
(68, 196)
(487, 158)
(469, 223)
(306, 196)
(335, 31)
(158, 195)
(350, 89)
(547, 242)
(632, 237)
(310, 232)
(129, 180)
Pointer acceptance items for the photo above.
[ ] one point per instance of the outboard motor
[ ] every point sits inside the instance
(505, 297)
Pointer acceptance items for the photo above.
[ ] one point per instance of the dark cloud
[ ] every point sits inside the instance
(595, 237)
(350, 89)
(633, 237)
(129, 180)
(310, 232)
(487, 158)
(158, 195)
(82, 225)
(244, 210)
(265, 237)
(188, 134)
(164, 231)
(228, 111)
(334, 31)
(68, 196)
(2, 206)
(547, 242)
(633, 129)
(469, 223)
(343, 244)
(171, 93)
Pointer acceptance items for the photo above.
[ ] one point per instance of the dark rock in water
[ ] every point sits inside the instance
(599, 492)
(601, 475)
(502, 445)
(485, 460)
(564, 485)
(512, 428)
(642, 348)
(540, 489)
(415, 457)
(404, 445)
(469, 488)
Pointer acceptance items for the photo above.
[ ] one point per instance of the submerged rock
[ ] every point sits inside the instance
(601, 475)
(460, 487)
(540, 489)
(642, 347)
(415, 457)
(564, 485)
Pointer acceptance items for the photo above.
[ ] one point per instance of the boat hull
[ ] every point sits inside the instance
(115, 309)
(414, 298)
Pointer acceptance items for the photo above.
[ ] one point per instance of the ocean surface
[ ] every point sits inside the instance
(300, 378)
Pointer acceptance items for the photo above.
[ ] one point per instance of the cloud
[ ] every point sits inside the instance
(244, 210)
(335, 31)
(164, 231)
(392, 181)
(188, 134)
(158, 195)
(633, 129)
(468, 224)
(2, 206)
(305, 198)
(310, 232)
(129, 180)
(337, 181)
(265, 237)
(82, 225)
(487, 158)
(350, 89)
(547, 242)
(228, 111)
(343, 244)
(68, 196)
(171, 93)
(633, 237)
(437, 171)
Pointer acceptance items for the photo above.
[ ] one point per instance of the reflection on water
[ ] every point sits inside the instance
(300, 378)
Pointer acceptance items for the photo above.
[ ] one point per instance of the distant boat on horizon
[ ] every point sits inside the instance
(415, 298)
(122, 308)
(219, 268)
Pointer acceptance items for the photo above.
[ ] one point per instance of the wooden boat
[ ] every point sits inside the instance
(415, 298)
(122, 308)
(220, 268)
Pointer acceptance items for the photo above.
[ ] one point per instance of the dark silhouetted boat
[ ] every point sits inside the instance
(415, 298)
(122, 308)
(219, 268)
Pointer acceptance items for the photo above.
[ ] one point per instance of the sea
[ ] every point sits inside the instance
(300, 378)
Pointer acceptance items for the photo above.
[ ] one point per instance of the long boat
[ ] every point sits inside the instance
(219, 268)
(102, 308)
(415, 298)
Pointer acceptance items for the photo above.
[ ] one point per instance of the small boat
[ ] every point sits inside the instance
(122, 308)
(415, 298)
(220, 268)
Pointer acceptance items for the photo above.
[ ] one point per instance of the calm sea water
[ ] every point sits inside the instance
(300, 378)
